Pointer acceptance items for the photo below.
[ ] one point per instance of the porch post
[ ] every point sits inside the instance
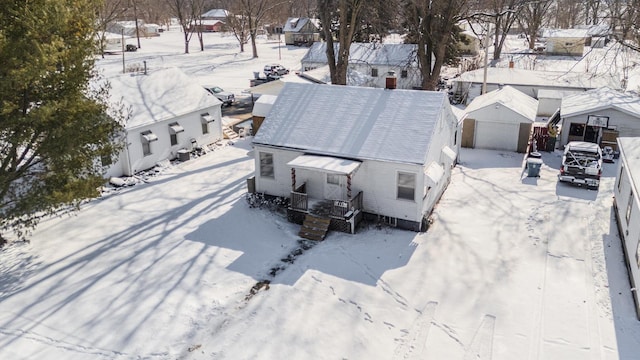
(349, 186)
(293, 179)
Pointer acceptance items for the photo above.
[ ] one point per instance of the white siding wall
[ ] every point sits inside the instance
(631, 228)
(280, 185)
(547, 106)
(412, 80)
(497, 127)
(627, 125)
(162, 149)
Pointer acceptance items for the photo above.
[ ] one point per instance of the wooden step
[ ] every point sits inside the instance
(314, 227)
(229, 133)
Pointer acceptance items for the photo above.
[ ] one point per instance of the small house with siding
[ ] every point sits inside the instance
(627, 210)
(599, 116)
(370, 63)
(568, 42)
(300, 31)
(348, 153)
(169, 115)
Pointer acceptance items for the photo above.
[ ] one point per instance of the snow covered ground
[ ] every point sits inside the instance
(512, 268)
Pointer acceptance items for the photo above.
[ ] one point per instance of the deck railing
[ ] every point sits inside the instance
(299, 198)
(341, 208)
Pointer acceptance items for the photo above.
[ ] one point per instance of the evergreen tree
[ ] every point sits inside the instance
(54, 127)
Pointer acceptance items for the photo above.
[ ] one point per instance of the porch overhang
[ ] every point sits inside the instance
(326, 164)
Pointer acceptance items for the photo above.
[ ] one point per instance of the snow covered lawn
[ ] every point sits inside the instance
(512, 268)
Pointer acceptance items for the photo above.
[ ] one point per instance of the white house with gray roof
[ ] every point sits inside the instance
(599, 116)
(300, 31)
(168, 112)
(382, 153)
(627, 210)
(372, 62)
(469, 84)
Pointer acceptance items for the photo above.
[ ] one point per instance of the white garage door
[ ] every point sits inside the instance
(498, 136)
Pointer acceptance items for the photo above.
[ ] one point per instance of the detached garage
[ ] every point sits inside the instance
(499, 120)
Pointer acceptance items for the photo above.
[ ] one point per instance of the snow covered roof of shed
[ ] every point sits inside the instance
(598, 99)
(367, 53)
(355, 122)
(216, 13)
(564, 33)
(550, 79)
(508, 97)
(263, 105)
(162, 94)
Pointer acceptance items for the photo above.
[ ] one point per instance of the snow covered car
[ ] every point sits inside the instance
(581, 164)
(226, 97)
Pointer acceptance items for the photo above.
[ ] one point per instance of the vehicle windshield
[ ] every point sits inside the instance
(216, 89)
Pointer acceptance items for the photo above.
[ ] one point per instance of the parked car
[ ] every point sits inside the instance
(226, 97)
(581, 164)
(275, 70)
(131, 47)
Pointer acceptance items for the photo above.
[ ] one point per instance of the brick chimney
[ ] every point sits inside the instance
(391, 81)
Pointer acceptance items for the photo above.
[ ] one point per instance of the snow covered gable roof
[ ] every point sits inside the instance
(599, 99)
(162, 94)
(355, 122)
(550, 79)
(296, 24)
(216, 13)
(508, 97)
(367, 53)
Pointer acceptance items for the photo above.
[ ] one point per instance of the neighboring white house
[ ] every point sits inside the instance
(169, 112)
(216, 14)
(627, 209)
(568, 42)
(112, 41)
(381, 153)
(301, 31)
(500, 120)
(373, 61)
(469, 84)
(549, 100)
(599, 116)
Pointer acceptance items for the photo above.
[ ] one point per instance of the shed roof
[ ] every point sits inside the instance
(263, 105)
(599, 99)
(162, 94)
(367, 53)
(355, 122)
(549, 79)
(565, 33)
(508, 97)
(216, 13)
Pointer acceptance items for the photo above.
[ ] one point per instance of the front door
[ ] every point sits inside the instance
(335, 187)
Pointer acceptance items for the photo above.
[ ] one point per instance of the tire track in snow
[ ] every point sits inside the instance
(482, 343)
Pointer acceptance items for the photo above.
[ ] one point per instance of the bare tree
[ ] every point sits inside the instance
(533, 16)
(107, 12)
(256, 12)
(198, 8)
(567, 13)
(502, 14)
(239, 26)
(339, 19)
(624, 20)
(183, 11)
(433, 27)
(592, 11)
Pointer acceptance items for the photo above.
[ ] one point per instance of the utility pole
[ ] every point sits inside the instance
(123, 50)
(486, 59)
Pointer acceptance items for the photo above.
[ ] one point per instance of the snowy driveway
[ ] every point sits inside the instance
(512, 268)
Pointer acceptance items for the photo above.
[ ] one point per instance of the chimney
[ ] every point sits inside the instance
(391, 82)
(511, 63)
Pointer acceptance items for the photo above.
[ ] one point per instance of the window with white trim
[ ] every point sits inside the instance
(174, 130)
(146, 138)
(374, 72)
(266, 165)
(406, 186)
